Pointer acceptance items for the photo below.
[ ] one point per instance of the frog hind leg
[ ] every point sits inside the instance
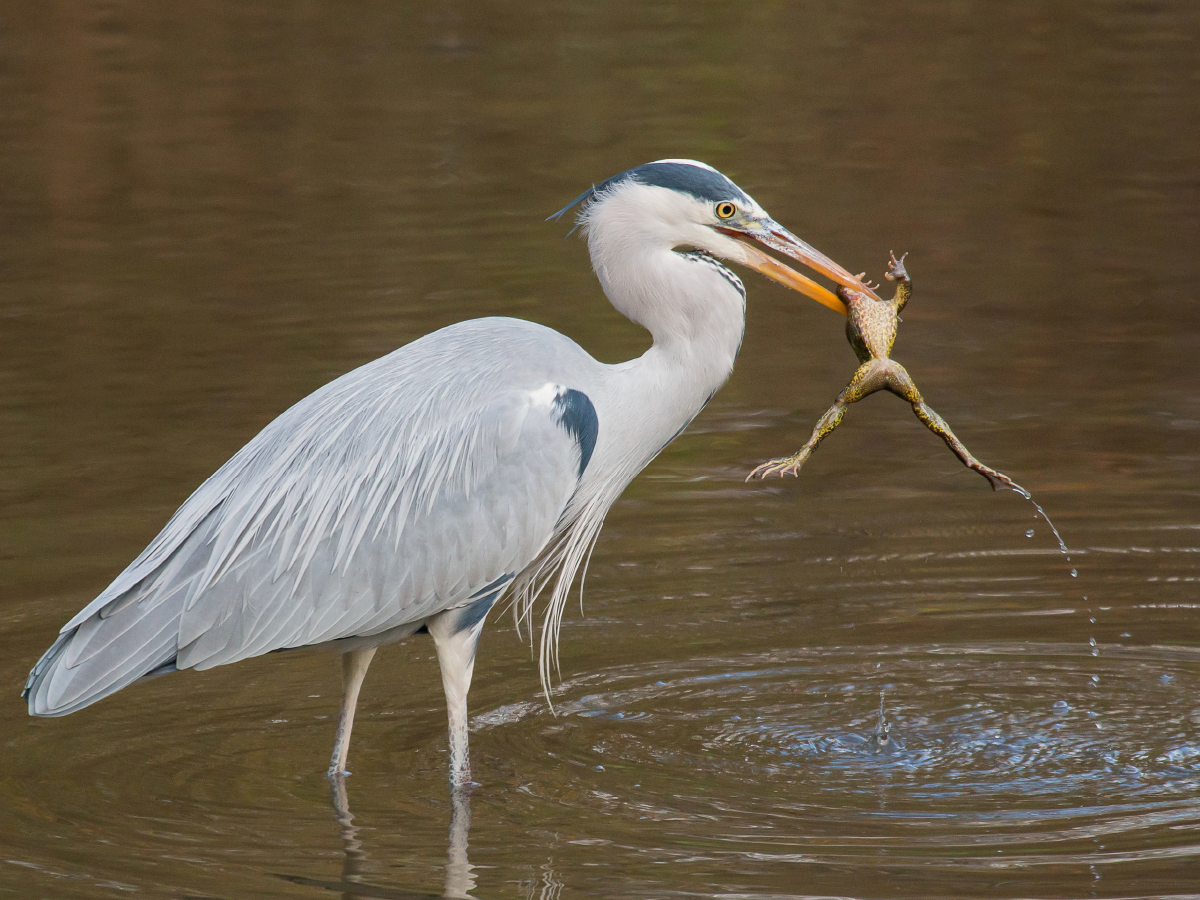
(870, 377)
(899, 383)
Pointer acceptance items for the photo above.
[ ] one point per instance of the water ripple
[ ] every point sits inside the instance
(1040, 752)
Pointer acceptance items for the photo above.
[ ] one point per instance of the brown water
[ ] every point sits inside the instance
(207, 214)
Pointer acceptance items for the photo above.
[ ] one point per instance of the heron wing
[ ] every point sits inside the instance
(399, 490)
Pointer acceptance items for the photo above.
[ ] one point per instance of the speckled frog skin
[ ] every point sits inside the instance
(871, 329)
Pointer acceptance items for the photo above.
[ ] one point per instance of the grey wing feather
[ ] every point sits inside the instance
(392, 493)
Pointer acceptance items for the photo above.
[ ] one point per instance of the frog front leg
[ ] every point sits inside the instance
(897, 273)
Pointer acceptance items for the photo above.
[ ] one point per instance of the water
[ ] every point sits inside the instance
(209, 213)
(1062, 545)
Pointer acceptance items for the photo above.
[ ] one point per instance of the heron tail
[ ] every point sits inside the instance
(117, 645)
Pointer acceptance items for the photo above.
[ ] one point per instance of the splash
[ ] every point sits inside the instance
(881, 740)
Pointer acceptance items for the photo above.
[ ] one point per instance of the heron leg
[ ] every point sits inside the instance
(870, 377)
(455, 634)
(354, 670)
(902, 385)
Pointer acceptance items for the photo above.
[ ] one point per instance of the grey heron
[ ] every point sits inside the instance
(410, 494)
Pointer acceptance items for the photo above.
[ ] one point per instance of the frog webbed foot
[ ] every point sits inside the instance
(786, 465)
(996, 479)
(895, 269)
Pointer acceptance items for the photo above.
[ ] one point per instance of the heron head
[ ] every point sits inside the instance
(684, 203)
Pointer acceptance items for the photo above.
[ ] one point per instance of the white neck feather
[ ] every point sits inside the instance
(695, 314)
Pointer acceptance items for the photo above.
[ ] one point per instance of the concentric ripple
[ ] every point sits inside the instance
(1039, 752)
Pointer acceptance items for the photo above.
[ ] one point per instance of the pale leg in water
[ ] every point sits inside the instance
(456, 638)
(354, 670)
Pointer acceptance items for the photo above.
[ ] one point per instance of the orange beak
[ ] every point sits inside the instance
(779, 238)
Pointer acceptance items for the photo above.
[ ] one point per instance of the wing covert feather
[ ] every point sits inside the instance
(394, 492)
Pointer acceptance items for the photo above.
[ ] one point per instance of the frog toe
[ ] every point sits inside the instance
(895, 269)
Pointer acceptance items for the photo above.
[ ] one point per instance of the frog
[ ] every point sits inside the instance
(871, 326)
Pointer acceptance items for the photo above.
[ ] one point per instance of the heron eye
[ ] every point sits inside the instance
(725, 209)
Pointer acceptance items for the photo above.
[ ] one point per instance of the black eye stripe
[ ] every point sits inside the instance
(701, 182)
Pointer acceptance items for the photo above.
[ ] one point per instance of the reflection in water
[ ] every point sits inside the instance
(460, 878)
(546, 886)
(354, 856)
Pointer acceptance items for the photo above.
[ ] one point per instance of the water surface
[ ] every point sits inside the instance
(210, 212)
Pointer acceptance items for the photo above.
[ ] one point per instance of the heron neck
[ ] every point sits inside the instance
(696, 317)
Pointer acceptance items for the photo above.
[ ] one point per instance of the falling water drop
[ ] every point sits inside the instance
(1062, 545)
(1074, 573)
(1029, 532)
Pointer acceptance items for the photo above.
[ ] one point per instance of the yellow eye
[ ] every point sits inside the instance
(725, 209)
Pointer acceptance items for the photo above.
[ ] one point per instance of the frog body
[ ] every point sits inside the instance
(871, 327)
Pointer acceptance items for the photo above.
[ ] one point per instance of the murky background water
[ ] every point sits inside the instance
(206, 213)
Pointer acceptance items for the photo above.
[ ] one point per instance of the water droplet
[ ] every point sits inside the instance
(1062, 545)
(1092, 641)
(1062, 706)
(1074, 573)
(1092, 619)
(1029, 533)
(1095, 679)
(1095, 651)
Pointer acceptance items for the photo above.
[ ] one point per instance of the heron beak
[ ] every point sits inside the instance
(775, 236)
